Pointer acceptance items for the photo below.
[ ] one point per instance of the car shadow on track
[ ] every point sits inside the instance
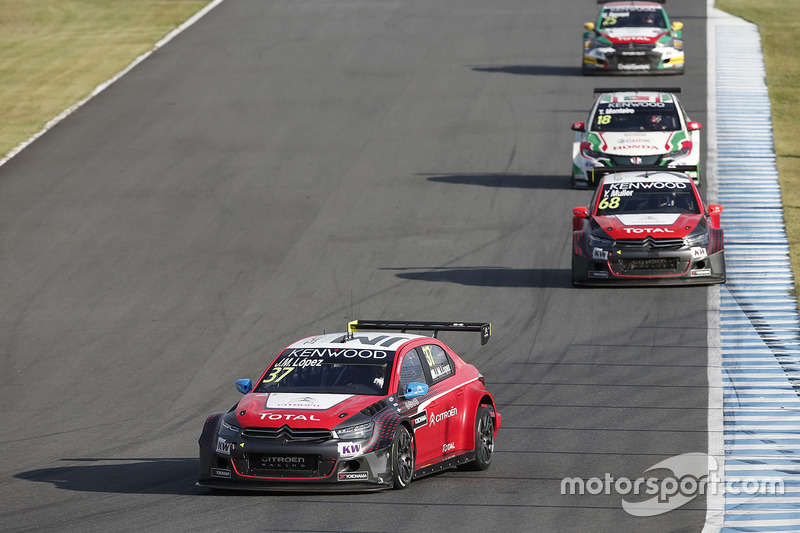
(491, 276)
(500, 180)
(533, 70)
(121, 476)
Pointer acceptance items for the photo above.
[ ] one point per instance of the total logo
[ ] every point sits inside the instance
(288, 416)
(435, 419)
(647, 230)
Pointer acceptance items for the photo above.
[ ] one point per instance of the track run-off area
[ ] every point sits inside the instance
(759, 422)
(275, 169)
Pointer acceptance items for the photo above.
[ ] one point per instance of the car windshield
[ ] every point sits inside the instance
(642, 197)
(625, 17)
(329, 371)
(636, 116)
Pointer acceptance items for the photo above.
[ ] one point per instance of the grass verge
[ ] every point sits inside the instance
(779, 24)
(53, 53)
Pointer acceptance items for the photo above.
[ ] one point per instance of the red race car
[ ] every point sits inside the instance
(360, 410)
(647, 227)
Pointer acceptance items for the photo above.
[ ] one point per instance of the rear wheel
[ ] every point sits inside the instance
(484, 440)
(402, 458)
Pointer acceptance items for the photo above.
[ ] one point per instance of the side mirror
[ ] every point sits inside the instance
(415, 389)
(694, 126)
(244, 385)
(578, 216)
(578, 126)
(677, 26)
(588, 26)
(714, 212)
(580, 212)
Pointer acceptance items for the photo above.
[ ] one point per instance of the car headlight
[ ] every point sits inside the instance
(600, 242)
(699, 239)
(229, 430)
(669, 43)
(360, 431)
(586, 150)
(683, 152)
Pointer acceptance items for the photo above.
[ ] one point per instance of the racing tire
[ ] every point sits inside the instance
(575, 280)
(484, 440)
(403, 458)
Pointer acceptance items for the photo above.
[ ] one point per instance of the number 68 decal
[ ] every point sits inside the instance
(609, 203)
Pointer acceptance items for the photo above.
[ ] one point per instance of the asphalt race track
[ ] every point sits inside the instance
(282, 167)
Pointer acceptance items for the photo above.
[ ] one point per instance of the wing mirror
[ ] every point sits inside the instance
(578, 126)
(578, 215)
(580, 212)
(714, 212)
(694, 126)
(588, 26)
(676, 26)
(415, 389)
(244, 385)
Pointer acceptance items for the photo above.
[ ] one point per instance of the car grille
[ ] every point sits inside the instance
(625, 160)
(634, 56)
(654, 265)
(263, 462)
(281, 465)
(650, 243)
(287, 434)
(633, 47)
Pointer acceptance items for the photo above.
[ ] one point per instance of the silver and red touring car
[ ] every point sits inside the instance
(634, 127)
(633, 37)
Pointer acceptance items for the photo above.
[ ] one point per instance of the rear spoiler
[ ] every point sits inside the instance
(599, 172)
(607, 1)
(484, 328)
(598, 90)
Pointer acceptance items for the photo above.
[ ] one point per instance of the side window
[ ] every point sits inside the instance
(411, 370)
(438, 362)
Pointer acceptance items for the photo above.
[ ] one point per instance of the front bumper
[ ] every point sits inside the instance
(241, 463)
(586, 176)
(647, 268)
(653, 61)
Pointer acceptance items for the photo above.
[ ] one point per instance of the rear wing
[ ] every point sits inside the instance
(484, 328)
(599, 172)
(598, 90)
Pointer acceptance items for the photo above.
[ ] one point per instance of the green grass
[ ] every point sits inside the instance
(53, 53)
(779, 24)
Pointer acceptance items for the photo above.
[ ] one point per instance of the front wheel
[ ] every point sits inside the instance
(484, 440)
(402, 458)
